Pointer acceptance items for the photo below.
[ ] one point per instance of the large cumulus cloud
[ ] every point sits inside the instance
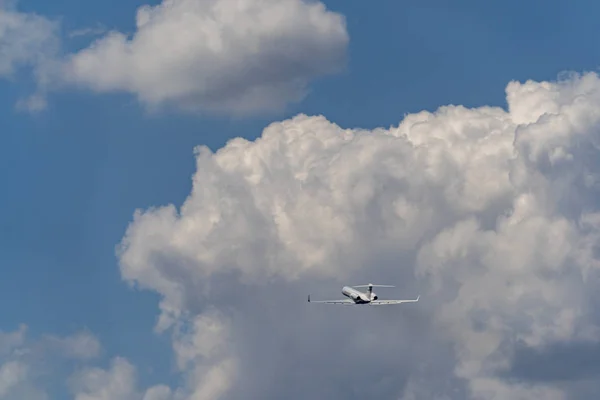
(234, 56)
(490, 214)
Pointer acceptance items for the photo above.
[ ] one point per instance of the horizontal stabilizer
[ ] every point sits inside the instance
(372, 285)
(388, 302)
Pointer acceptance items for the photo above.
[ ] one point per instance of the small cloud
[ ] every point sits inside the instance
(12, 374)
(96, 31)
(32, 104)
(26, 40)
(82, 345)
(11, 341)
(217, 56)
(24, 360)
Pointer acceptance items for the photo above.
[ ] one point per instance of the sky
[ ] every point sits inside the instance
(177, 177)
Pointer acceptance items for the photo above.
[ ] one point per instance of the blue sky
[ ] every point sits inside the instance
(74, 174)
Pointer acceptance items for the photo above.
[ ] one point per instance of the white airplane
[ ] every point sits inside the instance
(356, 297)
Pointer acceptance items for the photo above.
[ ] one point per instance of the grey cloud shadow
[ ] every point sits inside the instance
(563, 363)
(292, 346)
(556, 363)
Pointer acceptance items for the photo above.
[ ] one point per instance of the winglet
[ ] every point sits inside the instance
(309, 298)
(418, 297)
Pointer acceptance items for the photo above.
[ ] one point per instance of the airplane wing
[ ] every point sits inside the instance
(346, 302)
(387, 302)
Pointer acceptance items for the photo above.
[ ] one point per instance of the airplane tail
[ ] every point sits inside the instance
(370, 287)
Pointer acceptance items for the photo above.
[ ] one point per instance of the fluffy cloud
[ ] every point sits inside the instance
(490, 214)
(28, 40)
(118, 383)
(25, 39)
(239, 56)
(226, 56)
(201, 352)
(24, 362)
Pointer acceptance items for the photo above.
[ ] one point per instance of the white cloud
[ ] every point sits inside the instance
(25, 39)
(27, 363)
(491, 214)
(202, 356)
(11, 374)
(238, 56)
(118, 383)
(99, 29)
(31, 41)
(202, 351)
(9, 341)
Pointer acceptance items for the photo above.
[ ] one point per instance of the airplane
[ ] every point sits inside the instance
(356, 297)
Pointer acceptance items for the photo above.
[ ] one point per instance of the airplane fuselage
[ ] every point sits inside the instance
(357, 296)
